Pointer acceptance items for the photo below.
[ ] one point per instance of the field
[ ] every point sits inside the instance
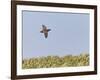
(56, 61)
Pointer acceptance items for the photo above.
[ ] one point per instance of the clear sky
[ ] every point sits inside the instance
(69, 34)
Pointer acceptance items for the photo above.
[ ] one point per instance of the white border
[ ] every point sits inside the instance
(21, 71)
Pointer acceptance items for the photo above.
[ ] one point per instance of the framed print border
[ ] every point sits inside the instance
(14, 38)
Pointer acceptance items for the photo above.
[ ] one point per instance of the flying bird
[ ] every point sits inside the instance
(45, 31)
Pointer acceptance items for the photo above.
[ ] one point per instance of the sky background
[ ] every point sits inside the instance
(69, 34)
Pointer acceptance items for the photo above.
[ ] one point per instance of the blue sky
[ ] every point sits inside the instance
(69, 34)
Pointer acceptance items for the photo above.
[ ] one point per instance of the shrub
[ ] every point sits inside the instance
(56, 61)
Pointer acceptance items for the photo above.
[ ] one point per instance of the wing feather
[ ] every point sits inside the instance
(41, 31)
(49, 29)
(44, 27)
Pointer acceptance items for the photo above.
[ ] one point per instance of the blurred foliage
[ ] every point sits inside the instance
(56, 61)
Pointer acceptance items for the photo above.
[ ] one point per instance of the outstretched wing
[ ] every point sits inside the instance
(46, 35)
(49, 29)
(44, 27)
(41, 31)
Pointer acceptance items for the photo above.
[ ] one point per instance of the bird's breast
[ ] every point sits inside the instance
(45, 31)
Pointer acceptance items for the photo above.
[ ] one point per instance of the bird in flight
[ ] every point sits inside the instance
(45, 31)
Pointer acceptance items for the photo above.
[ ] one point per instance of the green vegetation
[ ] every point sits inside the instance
(56, 61)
